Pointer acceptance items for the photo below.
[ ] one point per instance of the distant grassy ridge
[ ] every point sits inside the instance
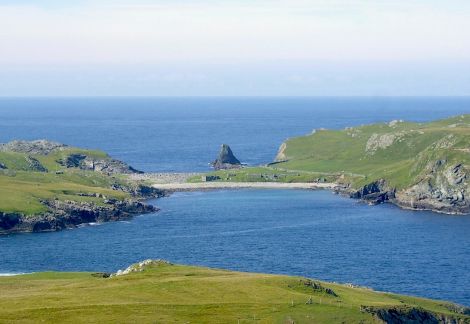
(181, 294)
(396, 151)
(399, 152)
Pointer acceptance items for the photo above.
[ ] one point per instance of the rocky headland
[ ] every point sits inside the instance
(419, 166)
(48, 186)
(68, 214)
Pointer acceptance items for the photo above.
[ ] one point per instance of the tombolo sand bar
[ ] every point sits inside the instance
(239, 185)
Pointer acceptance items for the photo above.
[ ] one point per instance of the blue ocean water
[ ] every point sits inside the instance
(184, 134)
(306, 233)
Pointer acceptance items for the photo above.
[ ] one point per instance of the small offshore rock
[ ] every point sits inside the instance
(226, 159)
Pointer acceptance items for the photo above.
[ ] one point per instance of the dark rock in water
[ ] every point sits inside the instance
(376, 192)
(9, 220)
(226, 159)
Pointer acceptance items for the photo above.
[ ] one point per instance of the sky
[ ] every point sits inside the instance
(234, 48)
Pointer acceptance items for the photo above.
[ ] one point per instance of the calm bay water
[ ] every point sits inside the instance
(314, 234)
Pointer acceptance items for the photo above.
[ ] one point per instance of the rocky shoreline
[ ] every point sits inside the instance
(444, 192)
(444, 199)
(82, 176)
(70, 214)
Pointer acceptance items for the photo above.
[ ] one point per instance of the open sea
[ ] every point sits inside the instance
(308, 233)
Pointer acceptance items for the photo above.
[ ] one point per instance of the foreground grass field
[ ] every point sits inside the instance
(165, 293)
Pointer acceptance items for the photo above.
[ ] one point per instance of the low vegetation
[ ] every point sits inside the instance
(48, 186)
(23, 191)
(28, 179)
(166, 293)
(397, 151)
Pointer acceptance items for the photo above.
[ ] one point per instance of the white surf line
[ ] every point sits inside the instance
(13, 274)
(242, 185)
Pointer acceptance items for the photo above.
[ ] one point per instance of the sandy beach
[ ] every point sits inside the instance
(240, 185)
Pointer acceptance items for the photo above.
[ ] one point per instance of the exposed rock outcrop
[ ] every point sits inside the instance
(82, 160)
(317, 287)
(42, 147)
(407, 315)
(376, 192)
(377, 141)
(140, 190)
(105, 165)
(226, 159)
(281, 153)
(443, 189)
(141, 266)
(34, 164)
(67, 214)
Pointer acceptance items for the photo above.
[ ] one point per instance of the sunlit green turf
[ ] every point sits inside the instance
(23, 189)
(330, 154)
(186, 294)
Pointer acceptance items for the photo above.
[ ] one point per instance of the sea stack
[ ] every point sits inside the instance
(226, 159)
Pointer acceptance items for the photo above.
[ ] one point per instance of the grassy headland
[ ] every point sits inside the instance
(416, 165)
(41, 181)
(165, 293)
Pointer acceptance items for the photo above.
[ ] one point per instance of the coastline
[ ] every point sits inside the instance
(241, 185)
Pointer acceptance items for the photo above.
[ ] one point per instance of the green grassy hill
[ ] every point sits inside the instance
(397, 151)
(28, 178)
(165, 293)
(40, 180)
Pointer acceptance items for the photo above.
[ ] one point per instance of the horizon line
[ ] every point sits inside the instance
(225, 96)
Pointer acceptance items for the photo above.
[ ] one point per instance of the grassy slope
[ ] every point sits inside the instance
(266, 174)
(22, 189)
(401, 163)
(183, 294)
(327, 154)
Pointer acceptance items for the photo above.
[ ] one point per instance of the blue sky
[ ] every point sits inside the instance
(206, 47)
